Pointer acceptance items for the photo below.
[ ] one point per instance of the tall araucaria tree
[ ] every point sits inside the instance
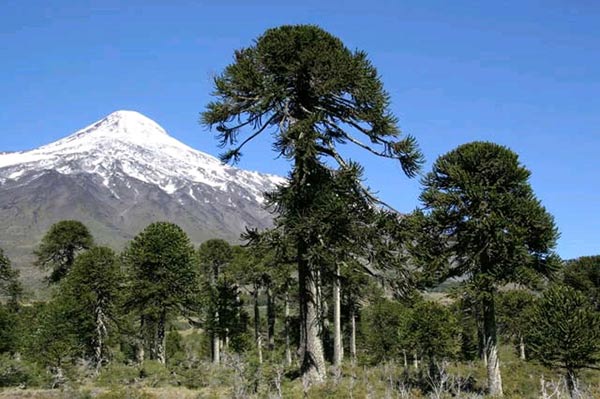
(308, 90)
(482, 220)
(163, 276)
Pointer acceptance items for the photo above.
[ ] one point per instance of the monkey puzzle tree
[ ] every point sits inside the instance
(433, 331)
(564, 331)
(60, 245)
(215, 255)
(163, 280)
(482, 220)
(91, 293)
(312, 93)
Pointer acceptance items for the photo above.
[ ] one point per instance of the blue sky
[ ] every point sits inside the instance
(525, 74)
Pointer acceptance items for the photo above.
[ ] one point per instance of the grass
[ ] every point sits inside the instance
(243, 378)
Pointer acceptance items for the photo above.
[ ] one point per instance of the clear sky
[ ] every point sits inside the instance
(525, 74)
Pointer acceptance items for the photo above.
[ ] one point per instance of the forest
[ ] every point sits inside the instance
(344, 296)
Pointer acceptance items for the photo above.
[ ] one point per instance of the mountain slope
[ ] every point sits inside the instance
(118, 175)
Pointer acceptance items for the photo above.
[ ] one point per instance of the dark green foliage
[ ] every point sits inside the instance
(380, 327)
(175, 348)
(467, 311)
(10, 286)
(8, 329)
(305, 84)
(583, 274)
(14, 372)
(432, 330)
(565, 331)
(163, 269)
(60, 245)
(163, 280)
(514, 314)
(478, 199)
(224, 315)
(50, 336)
(214, 256)
(91, 294)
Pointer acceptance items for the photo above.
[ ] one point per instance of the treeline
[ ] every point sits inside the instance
(339, 278)
(165, 301)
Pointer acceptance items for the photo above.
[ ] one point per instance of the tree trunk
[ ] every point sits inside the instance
(337, 319)
(216, 348)
(491, 345)
(161, 339)
(416, 361)
(270, 319)
(312, 360)
(216, 339)
(522, 348)
(141, 342)
(353, 335)
(259, 349)
(288, 349)
(405, 359)
(257, 336)
(100, 334)
(571, 381)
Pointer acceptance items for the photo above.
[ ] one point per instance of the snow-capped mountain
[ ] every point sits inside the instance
(118, 175)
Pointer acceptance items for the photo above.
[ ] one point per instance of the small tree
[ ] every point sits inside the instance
(163, 280)
(50, 337)
(514, 313)
(59, 247)
(91, 292)
(481, 220)
(565, 331)
(433, 331)
(381, 327)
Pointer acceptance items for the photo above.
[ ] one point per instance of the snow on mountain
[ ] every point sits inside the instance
(128, 144)
(117, 176)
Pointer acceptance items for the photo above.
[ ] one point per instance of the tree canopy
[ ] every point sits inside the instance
(60, 245)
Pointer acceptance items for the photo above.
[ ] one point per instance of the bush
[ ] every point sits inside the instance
(15, 373)
(117, 374)
(155, 374)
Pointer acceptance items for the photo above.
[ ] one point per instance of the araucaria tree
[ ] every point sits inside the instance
(163, 281)
(311, 93)
(91, 295)
(481, 220)
(565, 332)
(60, 245)
(215, 255)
